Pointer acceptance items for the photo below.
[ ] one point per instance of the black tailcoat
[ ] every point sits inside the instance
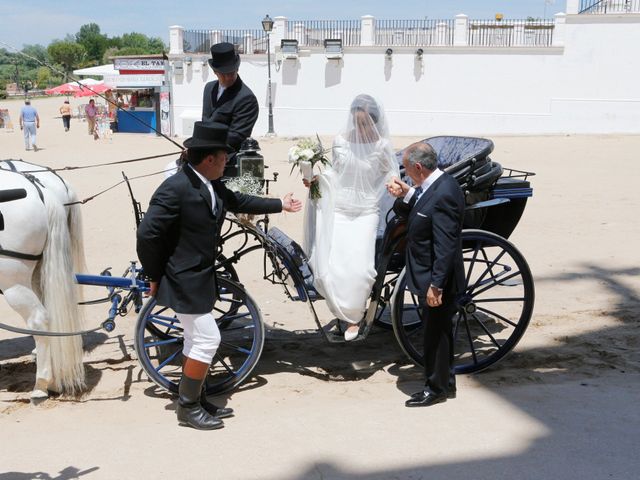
(237, 108)
(178, 238)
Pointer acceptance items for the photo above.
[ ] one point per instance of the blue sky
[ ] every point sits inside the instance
(40, 21)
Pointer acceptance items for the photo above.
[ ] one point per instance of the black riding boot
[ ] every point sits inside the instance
(190, 412)
(212, 409)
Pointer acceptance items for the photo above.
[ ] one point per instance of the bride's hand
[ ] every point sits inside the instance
(308, 183)
(396, 187)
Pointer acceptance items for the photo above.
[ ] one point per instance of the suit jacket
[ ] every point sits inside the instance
(237, 108)
(434, 242)
(178, 238)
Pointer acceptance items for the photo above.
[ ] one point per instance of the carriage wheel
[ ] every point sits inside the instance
(161, 355)
(227, 271)
(384, 317)
(493, 312)
(222, 270)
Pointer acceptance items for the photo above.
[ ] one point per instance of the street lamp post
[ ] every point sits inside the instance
(267, 26)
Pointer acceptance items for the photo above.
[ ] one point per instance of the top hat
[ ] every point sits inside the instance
(207, 135)
(224, 58)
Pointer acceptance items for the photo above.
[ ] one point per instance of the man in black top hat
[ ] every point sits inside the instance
(177, 243)
(229, 101)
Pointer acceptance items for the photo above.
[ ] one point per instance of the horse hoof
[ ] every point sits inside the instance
(38, 396)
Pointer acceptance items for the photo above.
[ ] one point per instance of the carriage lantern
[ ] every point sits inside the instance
(249, 160)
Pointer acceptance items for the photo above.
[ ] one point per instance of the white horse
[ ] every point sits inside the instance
(43, 291)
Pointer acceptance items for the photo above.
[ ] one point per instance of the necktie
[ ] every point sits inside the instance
(418, 192)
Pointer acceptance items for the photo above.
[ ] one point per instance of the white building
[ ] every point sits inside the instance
(578, 73)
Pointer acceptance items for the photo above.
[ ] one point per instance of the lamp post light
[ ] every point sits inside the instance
(267, 26)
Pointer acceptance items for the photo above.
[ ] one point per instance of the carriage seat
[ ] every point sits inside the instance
(452, 150)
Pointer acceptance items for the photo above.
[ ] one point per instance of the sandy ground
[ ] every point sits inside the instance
(563, 405)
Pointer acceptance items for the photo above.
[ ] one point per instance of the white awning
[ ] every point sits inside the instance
(100, 70)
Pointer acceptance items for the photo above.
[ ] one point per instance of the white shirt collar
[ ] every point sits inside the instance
(221, 90)
(207, 184)
(430, 179)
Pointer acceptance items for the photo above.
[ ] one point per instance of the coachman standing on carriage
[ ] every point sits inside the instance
(229, 101)
(177, 244)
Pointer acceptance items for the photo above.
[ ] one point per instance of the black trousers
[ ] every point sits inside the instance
(66, 121)
(438, 344)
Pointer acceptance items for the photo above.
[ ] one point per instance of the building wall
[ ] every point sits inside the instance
(586, 83)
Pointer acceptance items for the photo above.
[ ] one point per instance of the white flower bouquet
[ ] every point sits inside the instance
(305, 155)
(246, 184)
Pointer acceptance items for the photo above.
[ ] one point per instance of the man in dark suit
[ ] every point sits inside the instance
(229, 101)
(177, 244)
(434, 264)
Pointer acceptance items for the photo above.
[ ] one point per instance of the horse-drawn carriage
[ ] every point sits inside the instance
(494, 310)
(493, 313)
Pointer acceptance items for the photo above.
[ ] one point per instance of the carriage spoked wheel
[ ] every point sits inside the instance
(493, 312)
(226, 269)
(384, 316)
(159, 341)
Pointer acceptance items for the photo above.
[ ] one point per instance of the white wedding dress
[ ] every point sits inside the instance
(341, 227)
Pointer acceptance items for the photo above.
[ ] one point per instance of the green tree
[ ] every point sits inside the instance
(43, 77)
(141, 43)
(68, 54)
(94, 42)
(36, 56)
(133, 44)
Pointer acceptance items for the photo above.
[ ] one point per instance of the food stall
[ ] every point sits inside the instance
(137, 88)
(138, 106)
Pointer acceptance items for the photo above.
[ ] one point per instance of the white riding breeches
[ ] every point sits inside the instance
(201, 336)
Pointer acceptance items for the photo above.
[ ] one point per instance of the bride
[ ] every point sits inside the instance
(340, 228)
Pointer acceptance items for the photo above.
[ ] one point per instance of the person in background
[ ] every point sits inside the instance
(229, 101)
(91, 111)
(65, 111)
(112, 106)
(29, 123)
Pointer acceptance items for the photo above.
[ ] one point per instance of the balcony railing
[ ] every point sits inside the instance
(609, 6)
(246, 41)
(409, 33)
(314, 32)
(414, 32)
(510, 33)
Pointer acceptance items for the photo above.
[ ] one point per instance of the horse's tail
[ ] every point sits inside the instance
(74, 220)
(57, 283)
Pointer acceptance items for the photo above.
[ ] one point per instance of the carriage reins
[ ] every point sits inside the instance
(24, 331)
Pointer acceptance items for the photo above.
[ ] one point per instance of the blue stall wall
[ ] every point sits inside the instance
(128, 121)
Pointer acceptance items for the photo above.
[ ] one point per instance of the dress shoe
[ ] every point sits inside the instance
(351, 333)
(212, 409)
(451, 394)
(425, 399)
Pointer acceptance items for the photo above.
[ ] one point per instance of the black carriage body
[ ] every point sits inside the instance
(481, 179)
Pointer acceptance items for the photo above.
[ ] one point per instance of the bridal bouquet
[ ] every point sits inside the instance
(305, 155)
(246, 184)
